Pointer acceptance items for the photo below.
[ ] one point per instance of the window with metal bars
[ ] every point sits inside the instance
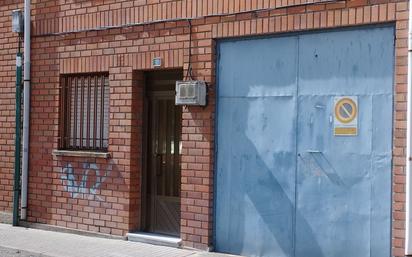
(84, 112)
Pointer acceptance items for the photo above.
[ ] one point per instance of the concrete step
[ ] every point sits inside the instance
(155, 239)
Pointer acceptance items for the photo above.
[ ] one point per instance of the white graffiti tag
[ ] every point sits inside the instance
(86, 187)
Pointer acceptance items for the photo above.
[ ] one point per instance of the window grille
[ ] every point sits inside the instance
(84, 106)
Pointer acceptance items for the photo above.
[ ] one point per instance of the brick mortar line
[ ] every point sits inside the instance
(133, 24)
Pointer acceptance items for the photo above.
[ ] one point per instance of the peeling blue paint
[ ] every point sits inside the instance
(285, 185)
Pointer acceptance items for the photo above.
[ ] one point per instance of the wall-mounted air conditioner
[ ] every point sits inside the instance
(191, 92)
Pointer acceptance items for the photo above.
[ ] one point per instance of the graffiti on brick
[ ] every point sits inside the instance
(86, 184)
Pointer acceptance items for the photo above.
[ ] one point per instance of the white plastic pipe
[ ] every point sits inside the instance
(408, 229)
(26, 105)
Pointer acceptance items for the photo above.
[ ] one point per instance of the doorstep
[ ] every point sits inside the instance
(155, 239)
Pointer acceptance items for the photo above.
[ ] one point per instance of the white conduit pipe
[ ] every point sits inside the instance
(26, 105)
(408, 229)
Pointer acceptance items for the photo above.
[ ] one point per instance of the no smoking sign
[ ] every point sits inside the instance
(346, 116)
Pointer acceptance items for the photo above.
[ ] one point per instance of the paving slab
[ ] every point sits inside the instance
(26, 242)
(7, 252)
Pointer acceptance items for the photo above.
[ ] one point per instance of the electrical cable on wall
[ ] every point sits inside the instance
(189, 73)
(132, 24)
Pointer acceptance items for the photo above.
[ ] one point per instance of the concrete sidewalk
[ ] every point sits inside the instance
(55, 244)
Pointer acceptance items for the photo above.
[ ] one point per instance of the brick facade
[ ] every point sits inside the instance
(9, 43)
(66, 40)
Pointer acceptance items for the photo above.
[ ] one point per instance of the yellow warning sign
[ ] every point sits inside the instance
(346, 116)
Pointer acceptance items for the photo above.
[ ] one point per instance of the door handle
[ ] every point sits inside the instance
(313, 151)
(159, 166)
(160, 162)
(310, 151)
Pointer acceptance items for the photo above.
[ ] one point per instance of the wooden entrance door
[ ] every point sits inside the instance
(163, 165)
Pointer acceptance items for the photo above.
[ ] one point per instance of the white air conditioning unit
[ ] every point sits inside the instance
(191, 92)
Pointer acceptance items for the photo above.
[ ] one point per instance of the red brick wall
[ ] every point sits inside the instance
(8, 49)
(125, 53)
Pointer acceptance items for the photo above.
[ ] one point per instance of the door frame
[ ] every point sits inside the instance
(145, 203)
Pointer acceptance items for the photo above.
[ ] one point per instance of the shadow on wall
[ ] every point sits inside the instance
(271, 197)
(260, 216)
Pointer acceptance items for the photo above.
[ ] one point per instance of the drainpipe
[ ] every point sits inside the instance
(408, 229)
(26, 112)
(17, 144)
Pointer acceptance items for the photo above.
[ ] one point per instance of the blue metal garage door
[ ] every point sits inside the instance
(293, 177)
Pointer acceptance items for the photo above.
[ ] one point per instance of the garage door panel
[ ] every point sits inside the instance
(382, 115)
(286, 185)
(352, 62)
(333, 186)
(344, 231)
(274, 73)
(336, 175)
(344, 182)
(381, 175)
(380, 206)
(316, 128)
(336, 210)
(255, 180)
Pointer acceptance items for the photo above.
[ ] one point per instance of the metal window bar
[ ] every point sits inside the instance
(84, 112)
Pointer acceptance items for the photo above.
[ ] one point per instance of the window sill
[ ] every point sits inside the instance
(87, 154)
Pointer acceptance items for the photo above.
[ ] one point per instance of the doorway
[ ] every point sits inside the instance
(162, 177)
